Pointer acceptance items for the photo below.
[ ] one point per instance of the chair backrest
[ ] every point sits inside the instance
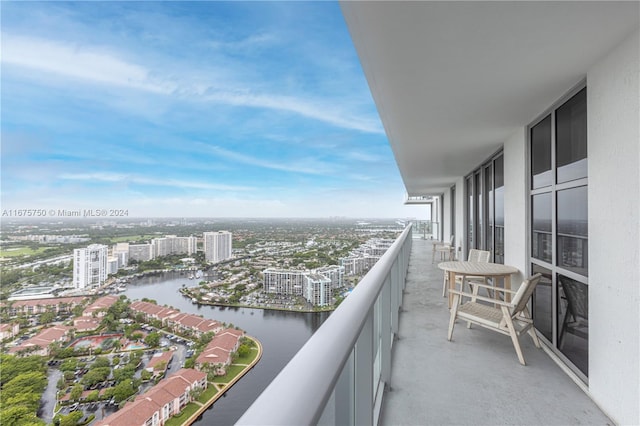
(451, 240)
(481, 256)
(523, 294)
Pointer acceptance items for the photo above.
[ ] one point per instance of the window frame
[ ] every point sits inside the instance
(553, 189)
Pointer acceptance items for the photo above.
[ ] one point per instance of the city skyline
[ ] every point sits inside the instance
(213, 109)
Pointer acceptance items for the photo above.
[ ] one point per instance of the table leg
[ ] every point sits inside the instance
(452, 284)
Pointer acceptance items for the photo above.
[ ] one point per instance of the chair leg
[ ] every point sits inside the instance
(513, 334)
(534, 336)
(452, 320)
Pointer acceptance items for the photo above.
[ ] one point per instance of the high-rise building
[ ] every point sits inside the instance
(121, 252)
(282, 281)
(172, 244)
(317, 289)
(217, 246)
(90, 266)
(140, 252)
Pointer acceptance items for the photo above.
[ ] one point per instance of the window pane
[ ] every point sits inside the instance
(541, 239)
(573, 321)
(542, 302)
(488, 200)
(541, 154)
(571, 138)
(573, 230)
(499, 210)
(479, 214)
(470, 213)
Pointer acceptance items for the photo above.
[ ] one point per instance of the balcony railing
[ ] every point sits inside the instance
(339, 375)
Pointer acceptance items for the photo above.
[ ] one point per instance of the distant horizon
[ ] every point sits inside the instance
(161, 108)
(124, 219)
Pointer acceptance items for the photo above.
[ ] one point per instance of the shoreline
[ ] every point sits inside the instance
(185, 292)
(206, 405)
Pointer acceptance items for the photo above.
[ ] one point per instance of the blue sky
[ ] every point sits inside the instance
(219, 109)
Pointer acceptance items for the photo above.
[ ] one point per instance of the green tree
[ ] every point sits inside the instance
(76, 392)
(145, 375)
(123, 390)
(18, 416)
(93, 396)
(152, 339)
(71, 419)
(33, 382)
(243, 351)
(190, 363)
(96, 375)
(100, 362)
(47, 317)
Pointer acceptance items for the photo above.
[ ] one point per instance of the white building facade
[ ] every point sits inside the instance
(217, 246)
(90, 266)
(283, 281)
(140, 252)
(172, 244)
(317, 289)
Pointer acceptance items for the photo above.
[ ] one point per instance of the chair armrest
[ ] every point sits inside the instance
(484, 299)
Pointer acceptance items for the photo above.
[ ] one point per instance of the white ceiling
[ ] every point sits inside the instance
(453, 80)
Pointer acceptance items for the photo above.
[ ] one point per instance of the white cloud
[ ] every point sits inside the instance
(307, 166)
(100, 66)
(76, 61)
(174, 183)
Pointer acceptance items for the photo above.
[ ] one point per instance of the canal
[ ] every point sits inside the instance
(282, 334)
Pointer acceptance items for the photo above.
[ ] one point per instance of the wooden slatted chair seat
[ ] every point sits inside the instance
(510, 318)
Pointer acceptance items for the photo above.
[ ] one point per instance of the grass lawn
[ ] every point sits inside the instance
(249, 358)
(207, 394)
(232, 372)
(184, 415)
(21, 251)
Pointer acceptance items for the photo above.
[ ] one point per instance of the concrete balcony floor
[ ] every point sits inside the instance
(476, 378)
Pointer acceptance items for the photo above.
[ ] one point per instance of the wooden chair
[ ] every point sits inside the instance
(475, 255)
(510, 318)
(445, 250)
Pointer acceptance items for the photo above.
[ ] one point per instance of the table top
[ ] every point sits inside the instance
(477, 268)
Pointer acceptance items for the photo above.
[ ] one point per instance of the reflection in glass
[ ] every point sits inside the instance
(542, 302)
(572, 225)
(488, 200)
(541, 154)
(541, 237)
(571, 138)
(573, 321)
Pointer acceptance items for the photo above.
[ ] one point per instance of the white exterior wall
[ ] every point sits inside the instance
(613, 108)
(446, 216)
(516, 239)
(217, 245)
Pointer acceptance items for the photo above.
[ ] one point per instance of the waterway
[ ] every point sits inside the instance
(282, 334)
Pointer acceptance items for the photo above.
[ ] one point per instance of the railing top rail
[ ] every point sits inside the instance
(298, 395)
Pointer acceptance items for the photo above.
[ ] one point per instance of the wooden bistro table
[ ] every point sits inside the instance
(489, 270)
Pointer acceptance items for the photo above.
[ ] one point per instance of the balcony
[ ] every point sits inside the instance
(383, 358)
(475, 378)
